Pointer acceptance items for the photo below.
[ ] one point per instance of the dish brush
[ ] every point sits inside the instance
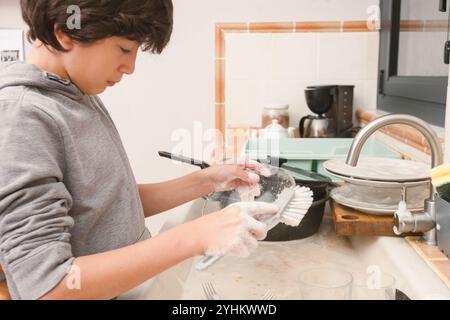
(293, 204)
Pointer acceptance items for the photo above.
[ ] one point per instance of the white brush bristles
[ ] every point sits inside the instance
(298, 206)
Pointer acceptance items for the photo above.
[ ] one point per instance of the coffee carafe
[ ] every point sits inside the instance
(319, 99)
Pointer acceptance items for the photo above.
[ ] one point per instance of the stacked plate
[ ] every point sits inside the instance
(377, 185)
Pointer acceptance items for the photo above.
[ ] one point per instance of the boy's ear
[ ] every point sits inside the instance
(64, 40)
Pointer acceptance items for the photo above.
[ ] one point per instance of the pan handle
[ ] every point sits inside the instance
(180, 158)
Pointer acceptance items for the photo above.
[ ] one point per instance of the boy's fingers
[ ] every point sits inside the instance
(256, 228)
(253, 178)
(251, 164)
(254, 165)
(246, 176)
(257, 208)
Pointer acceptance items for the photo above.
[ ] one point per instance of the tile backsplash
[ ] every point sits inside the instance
(270, 67)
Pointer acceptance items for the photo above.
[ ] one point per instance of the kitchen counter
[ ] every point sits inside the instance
(275, 266)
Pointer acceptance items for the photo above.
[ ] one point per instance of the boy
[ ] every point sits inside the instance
(68, 197)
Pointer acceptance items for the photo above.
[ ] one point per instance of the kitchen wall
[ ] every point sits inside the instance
(11, 18)
(276, 68)
(422, 43)
(176, 89)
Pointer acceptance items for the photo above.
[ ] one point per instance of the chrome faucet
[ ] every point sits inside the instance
(424, 221)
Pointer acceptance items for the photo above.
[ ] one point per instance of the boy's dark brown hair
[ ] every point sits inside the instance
(148, 22)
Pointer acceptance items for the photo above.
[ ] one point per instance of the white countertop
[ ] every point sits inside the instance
(275, 266)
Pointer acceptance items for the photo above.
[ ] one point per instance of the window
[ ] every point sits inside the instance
(413, 77)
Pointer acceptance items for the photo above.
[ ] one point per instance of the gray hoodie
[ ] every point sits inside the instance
(66, 186)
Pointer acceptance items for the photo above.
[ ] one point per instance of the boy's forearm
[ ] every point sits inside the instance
(110, 274)
(160, 197)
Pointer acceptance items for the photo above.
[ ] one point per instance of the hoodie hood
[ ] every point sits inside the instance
(14, 74)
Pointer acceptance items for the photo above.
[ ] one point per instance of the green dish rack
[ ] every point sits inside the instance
(311, 153)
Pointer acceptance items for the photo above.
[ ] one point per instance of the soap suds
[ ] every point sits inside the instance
(247, 234)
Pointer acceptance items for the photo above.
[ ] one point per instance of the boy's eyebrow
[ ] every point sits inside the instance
(132, 42)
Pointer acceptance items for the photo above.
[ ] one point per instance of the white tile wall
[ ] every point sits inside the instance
(244, 95)
(270, 68)
(249, 56)
(292, 56)
(341, 56)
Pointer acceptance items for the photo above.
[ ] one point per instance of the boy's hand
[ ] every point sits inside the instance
(234, 230)
(229, 176)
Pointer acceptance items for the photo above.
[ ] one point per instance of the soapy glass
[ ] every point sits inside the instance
(270, 187)
(325, 283)
(373, 286)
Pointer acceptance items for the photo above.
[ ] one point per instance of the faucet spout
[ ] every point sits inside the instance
(436, 157)
(377, 124)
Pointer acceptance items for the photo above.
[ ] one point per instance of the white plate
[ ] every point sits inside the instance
(375, 209)
(381, 169)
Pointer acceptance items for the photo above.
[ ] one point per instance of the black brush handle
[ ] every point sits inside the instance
(180, 158)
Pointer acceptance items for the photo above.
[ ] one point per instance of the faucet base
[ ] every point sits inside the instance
(429, 238)
(405, 221)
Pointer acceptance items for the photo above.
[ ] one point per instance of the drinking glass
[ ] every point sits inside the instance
(378, 286)
(325, 283)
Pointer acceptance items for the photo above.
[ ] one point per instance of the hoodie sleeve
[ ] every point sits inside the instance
(35, 248)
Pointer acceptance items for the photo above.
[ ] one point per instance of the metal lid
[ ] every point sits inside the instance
(321, 87)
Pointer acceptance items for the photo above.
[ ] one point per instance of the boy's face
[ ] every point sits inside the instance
(94, 67)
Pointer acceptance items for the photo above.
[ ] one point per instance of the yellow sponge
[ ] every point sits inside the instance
(440, 171)
(440, 177)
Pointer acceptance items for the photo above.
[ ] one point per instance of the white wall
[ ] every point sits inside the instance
(277, 68)
(175, 89)
(11, 18)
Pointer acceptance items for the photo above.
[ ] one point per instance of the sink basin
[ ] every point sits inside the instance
(275, 266)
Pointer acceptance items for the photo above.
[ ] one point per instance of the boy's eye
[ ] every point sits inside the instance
(125, 50)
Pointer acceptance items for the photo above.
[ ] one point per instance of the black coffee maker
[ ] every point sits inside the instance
(333, 108)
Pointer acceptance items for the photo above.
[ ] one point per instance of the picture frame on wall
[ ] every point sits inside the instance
(11, 45)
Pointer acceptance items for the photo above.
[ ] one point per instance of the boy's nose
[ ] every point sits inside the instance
(129, 66)
(127, 69)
